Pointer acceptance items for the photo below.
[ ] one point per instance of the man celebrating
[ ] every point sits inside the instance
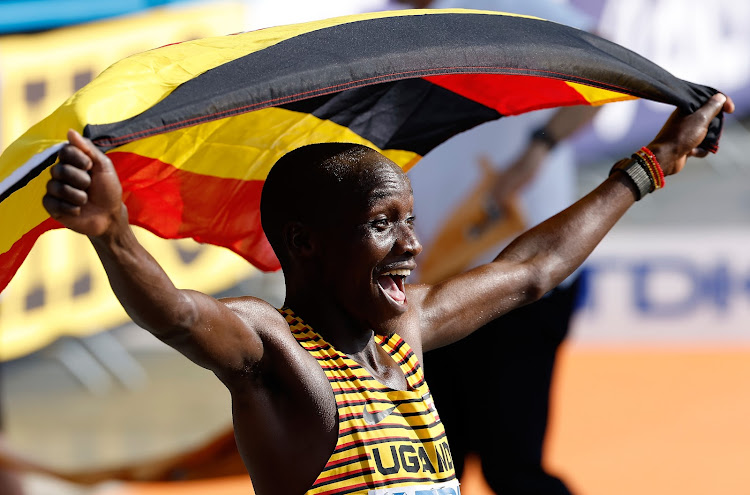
(328, 395)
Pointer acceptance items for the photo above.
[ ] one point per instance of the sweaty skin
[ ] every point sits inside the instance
(283, 407)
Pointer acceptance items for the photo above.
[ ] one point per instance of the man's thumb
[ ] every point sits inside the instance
(715, 104)
(87, 147)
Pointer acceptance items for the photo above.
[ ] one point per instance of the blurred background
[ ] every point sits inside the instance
(652, 392)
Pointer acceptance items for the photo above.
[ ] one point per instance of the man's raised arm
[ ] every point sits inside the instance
(544, 256)
(85, 195)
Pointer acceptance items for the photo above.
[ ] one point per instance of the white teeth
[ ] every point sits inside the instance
(398, 273)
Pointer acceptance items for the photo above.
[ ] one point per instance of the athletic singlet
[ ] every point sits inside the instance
(390, 441)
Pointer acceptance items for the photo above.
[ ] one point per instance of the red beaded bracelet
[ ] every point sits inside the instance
(649, 168)
(658, 173)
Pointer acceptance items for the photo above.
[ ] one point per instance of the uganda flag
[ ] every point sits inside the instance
(193, 128)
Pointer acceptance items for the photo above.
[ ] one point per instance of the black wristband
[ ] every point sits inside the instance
(542, 135)
(637, 174)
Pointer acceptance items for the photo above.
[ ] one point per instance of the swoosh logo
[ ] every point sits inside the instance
(376, 417)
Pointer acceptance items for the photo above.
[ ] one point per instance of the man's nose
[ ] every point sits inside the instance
(408, 241)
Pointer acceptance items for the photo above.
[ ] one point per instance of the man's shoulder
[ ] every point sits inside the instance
(281, 354)
(262, 316)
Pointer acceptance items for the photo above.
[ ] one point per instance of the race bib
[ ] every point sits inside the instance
(447, 488)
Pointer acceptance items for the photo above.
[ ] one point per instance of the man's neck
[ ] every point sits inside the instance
(336, 326)
(351, 338)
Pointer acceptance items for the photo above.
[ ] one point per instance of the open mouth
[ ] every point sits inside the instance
(392, 283)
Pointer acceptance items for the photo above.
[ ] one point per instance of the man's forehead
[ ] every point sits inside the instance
(386, 180)
(388, 187)
(359, 182)
(367, 173)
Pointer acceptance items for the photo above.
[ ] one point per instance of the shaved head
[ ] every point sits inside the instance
(309, 183)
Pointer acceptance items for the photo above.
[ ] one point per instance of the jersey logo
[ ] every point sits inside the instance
(373, 418)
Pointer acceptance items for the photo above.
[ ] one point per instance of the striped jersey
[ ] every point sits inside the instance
(390, 441)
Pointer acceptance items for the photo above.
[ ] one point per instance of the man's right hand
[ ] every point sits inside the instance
(684, 132)
(84, 193)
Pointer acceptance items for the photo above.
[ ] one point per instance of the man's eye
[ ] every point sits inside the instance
(410, 220)
(380, 223)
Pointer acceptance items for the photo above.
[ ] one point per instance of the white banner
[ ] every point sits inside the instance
(671, 287)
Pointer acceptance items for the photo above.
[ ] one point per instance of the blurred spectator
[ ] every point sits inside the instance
(514, 356)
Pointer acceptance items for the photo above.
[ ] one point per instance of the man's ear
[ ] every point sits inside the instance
(298, 239)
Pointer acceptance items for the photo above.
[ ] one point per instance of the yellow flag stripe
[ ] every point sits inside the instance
(22, 211)
(598, 96)
(238, 147)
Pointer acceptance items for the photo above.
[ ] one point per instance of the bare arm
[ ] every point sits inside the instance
(85, 195)
(541, 258)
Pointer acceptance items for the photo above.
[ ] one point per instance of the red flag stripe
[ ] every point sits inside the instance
(10, 261)
(510, 94)
(219, 211)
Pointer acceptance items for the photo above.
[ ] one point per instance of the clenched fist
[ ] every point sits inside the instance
(84, 193)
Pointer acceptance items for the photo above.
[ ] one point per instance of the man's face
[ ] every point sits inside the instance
(370, 245)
